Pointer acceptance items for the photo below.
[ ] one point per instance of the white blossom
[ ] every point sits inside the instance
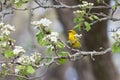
(35, 57)
(44, 22)
(32, 59)
(79, 12)
(91, 4)
(16, 1)
(3, 64)
(3, 44)
(10, 65)
(84, 2)
(78, 35)
(18, 50)
(56, 34)
(25, 60)
(6, 29)
(116, 35)
(16, 71)
(9, 27)
(6, 32)
(36, 23)
(53, 37)
(1, 24)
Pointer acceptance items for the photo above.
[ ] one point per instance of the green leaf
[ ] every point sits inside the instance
(8, 53)
(95, 17)
(87, 25)
(40, 36)
(75, 20)
(91, 18)
(18, 3)
(20, 67)
(22, 70)
(78, 20)
(30, 69)
(62, 53)
(42, 43)
(61, 61)
(48, 50)
(78, 26)
(60, 45)
(114, 7)
(116, 47)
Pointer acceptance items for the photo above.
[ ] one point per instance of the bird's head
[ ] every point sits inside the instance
(72, 31)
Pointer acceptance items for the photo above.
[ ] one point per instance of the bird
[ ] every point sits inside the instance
(73, 40)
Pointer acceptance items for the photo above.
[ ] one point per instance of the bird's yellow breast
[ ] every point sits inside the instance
(71, 37)
(73, 41)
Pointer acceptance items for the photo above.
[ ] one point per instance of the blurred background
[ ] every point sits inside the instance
(103, 68)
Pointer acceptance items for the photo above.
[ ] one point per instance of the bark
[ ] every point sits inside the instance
(103, 67)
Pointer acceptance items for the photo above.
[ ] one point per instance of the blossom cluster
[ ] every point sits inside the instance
(42, 25)
(85, 4)
(45, 36)
(3, 43)
(79, 12)
(33, 59)
(43, 22)
(18, 51)
(53, 37)
(5, 30)
(116, 35)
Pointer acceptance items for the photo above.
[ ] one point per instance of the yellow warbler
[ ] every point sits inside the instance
(73, 40)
